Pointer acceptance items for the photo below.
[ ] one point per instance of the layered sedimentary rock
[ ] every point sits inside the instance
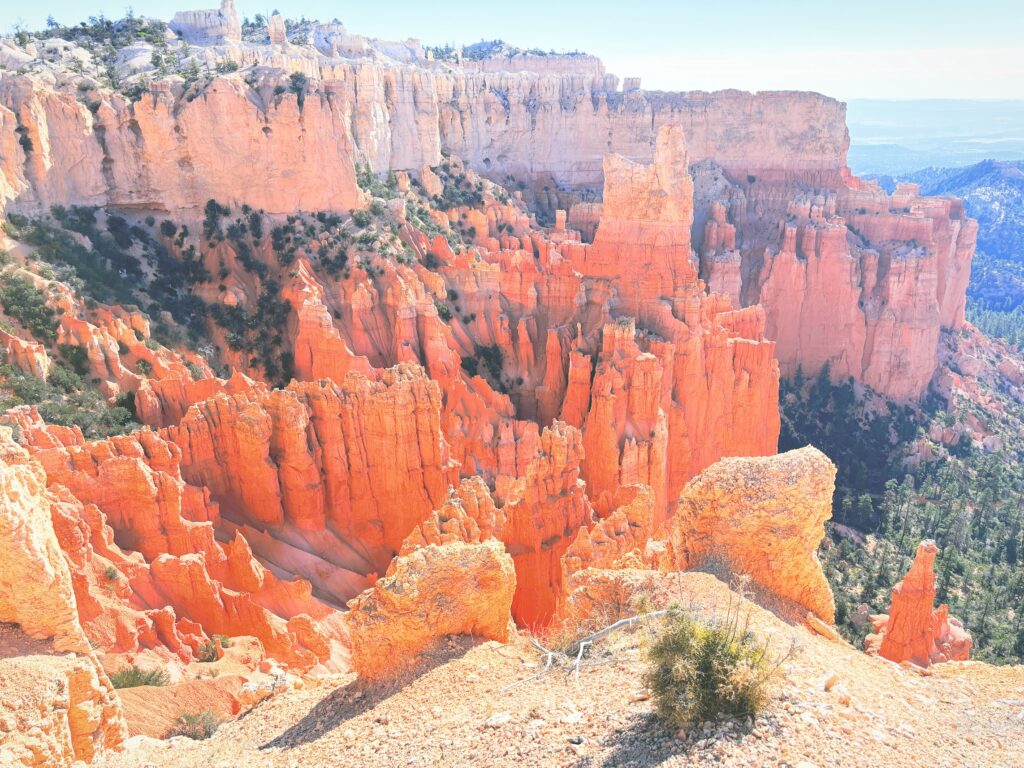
(876, 278)
(325, 479)
(779, 218)
(396, 115)
(163, 152)
(763, 518)
(146, 569)
(451, 589)
(914, 630)
(62, 709)
(29, 356)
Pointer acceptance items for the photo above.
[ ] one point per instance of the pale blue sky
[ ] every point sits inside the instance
(870, 48)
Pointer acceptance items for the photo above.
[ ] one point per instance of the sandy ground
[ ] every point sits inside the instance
(458, 709)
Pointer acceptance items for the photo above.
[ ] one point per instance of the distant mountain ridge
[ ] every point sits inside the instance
(993, 193)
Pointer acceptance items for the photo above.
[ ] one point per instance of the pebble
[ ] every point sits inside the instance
(498, 720)
(642, 695)
(831, 681)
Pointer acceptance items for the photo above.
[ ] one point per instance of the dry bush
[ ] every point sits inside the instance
(705, 670)
(133, 677)
(194, 725)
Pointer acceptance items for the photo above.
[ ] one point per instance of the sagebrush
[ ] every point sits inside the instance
(194, 725)
(707, 670)
(133, 677)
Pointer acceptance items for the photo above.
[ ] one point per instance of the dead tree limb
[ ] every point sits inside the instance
(581, 646)
(626, 623)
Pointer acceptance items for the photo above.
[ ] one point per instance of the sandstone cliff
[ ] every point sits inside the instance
(57, 709)
(761, 232)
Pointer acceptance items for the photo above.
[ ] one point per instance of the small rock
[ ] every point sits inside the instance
(498, 720)
(576, 739)
(681, 733)
(831, 681)
(642, 695)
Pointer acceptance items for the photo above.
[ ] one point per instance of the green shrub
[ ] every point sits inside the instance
(133, 677)
(64, 399)
(194, 725)
(77, 358)
(27, 304)
(110, 573)
(207, 651)
(702, 671)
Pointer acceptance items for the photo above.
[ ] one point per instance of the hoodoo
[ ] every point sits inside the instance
(353, 373)
(914, 630)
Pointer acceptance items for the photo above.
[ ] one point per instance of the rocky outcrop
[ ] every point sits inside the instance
(876, 278)
(206, 27)
(146, 569)
(914, 630)
(29, 356)
(324, 479)
(452, 589)
(57, 709)
(763, 518)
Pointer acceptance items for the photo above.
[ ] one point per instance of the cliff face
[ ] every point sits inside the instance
(145, 566)
(58, 709)
(778, 218)
(166, 152)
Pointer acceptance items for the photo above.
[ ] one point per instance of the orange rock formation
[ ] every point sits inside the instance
(914, 630)
(762, 517)
(77, 713)
(431, 592)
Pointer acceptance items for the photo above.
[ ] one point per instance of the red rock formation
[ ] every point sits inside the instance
(322, 473)
(764, 518)
(120, 507)
(618, 540)
(78, 713)
(431, 592)
(543, 510)
(912, 630)
(29, 356)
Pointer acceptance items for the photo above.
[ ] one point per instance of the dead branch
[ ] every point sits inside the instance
(582, 645)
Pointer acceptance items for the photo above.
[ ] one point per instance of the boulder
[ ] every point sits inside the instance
(452, 589)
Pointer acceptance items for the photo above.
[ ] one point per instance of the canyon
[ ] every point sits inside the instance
(430, 347)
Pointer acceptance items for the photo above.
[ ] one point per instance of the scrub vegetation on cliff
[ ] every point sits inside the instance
(911, 474)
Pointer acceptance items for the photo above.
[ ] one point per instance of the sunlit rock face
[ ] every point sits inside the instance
(763, 518)
(915, 630)
(564, 358)
(848, 276)
(61, 708)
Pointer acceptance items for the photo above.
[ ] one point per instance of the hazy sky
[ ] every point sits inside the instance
(871, 48)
